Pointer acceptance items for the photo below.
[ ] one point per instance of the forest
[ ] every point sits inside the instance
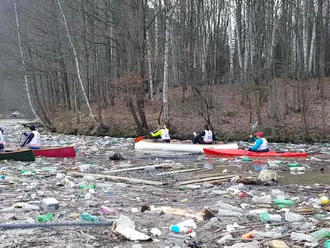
(124, 67)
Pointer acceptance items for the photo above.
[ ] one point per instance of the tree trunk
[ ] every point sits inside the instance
(166, 70)
(151, 88)
(76, 62)
(23, 66)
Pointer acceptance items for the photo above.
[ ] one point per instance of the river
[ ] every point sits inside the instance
(58, 178)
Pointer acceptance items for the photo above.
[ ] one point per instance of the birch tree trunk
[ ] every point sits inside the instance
(305, 36)
(231, 41)
(23, 66)
(312, 48)
(151, 87)
(76, 61)
(166, 69)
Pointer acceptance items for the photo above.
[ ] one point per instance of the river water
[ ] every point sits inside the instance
(96, 150)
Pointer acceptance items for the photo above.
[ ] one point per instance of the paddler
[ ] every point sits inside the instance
(205, 137)
(2, 140)
(32, 140)
(260, 143)
(163, 133)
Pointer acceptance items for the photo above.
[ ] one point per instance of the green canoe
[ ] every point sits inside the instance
(25, 155)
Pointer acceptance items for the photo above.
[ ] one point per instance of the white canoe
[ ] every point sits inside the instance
(180, 147)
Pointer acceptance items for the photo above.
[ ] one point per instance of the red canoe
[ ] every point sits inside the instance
(56, 152)
(241, 152)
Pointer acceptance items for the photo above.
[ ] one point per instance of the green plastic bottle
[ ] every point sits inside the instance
(28, 172)
(327, 244)
(89, 217)
(183, 188)
(265, 217)
(282, 203)
(321, 234)
(247, 159)
(88, 186)
(293, 165)
(45, 218)
(320, 216)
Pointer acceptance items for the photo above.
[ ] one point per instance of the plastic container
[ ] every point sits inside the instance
(50, 204)
(178, 229)
(321, 233)
(89, 217)
(249, 235)
(324, 200)
(45, 218)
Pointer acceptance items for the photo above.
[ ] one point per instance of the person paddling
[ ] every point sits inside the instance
(164, 135)
(32, 140)
(2, 140)
(205, 137)
(261, 144)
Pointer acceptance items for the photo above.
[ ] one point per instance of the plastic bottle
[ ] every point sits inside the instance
(302, 237)
(2, 177)
(266, 217)
(327, 244)
(89, 217)
(284, 202)
(262, 199)
(28, 172)
(293, 217)
(178, 229)
(324, 200)
(45, 218)
(247, 159)
(321, 233)
(107, 210)
(88, 186)
(293, 165)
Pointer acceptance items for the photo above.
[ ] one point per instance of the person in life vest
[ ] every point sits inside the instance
(261, 144)
(2, 140)
(205, 137)
(163, 133)
(32, 140)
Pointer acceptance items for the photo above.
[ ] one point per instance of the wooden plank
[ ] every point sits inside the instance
(119, 179)
(181, 171)
(200, 180)
(137, 168)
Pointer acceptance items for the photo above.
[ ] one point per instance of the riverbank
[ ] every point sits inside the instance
(230, 113)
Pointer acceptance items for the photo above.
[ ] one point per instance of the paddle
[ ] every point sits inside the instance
(254, 127)
(137, 139)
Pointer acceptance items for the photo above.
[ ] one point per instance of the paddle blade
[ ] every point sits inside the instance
(254, 126)
(137, 139)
